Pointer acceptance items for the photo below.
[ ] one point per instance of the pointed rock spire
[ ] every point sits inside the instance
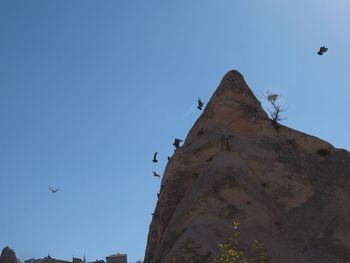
(276, 182)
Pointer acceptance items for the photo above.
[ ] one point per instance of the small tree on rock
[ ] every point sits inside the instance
(277, 107)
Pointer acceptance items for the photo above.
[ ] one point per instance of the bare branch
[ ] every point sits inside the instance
(278, 108)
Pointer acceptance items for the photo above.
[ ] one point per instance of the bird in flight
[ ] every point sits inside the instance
(156, 174)
(53, 190)
(200, 104)
(155, 157)
(322, 50)
(177, 143)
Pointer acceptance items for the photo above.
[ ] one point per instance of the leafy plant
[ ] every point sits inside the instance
(230, 253)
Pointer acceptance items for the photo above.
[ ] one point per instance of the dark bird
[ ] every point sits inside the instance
(53, 190)
(169, 158)
(210, 159)
(177, 143)
(155, 157)
(322, 50)
(155, 174)
(155, 215)
(200, 104)
(158, 194)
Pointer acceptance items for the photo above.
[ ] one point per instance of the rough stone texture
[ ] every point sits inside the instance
(8, 256)
(286, 188)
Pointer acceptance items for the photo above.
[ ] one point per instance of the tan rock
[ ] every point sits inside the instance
(286, 188)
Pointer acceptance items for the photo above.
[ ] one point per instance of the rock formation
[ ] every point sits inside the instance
(286, 188)
(8, 256)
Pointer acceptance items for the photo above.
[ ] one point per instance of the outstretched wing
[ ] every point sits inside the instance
(53, 190)
(155, 156)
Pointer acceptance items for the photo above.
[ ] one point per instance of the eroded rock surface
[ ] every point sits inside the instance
(286, 188)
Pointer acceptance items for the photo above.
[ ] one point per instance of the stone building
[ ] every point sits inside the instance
(47, 259)
(117, 258)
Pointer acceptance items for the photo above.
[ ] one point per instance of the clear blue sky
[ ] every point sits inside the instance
(89, 90)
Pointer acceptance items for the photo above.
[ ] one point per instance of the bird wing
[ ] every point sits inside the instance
(199, 101)
(50, 189)
(155, 156)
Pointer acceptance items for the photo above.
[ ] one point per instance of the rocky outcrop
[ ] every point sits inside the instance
(286, 188)
(8, 256)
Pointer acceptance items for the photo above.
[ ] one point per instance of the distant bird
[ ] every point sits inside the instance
(158, 194)
(200, 104)
(210, 159)
(177, 143)
(155, 157)
(169, 158)
(322, 50)
(53, 190)
(155, 174)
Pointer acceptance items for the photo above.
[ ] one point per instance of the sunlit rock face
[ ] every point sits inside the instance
(8, 256)
(286, 188)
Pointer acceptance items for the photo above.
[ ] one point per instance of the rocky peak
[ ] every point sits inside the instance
(286, 188)
(8, 256)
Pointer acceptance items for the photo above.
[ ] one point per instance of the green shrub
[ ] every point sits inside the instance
(229, 252)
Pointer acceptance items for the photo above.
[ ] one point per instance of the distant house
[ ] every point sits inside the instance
(98, 261)
(78, 260)
(47, 259)
(117, 258)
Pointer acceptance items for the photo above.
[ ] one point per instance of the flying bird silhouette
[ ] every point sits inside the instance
(155, 157)
(322, 50)
(200, 104)
(155, 174)
(53, 190)
(177, 143)
(158, 194)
